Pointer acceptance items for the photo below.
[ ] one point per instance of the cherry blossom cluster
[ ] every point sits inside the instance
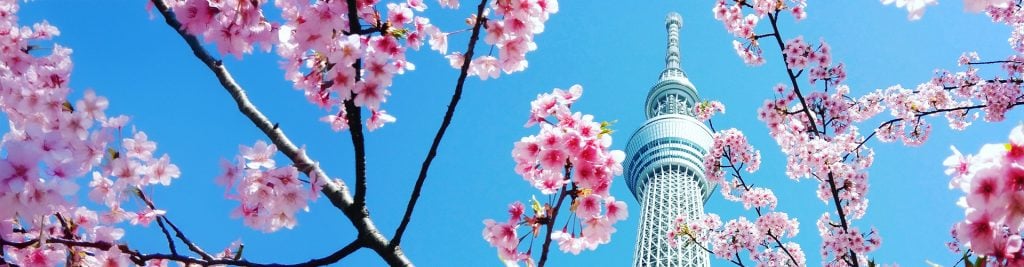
(513, 35)
(953, 94)
(839, 241)
(268, 196)
(1003, 11)
(53, 142)
(233, 25)
(320, 53)
(838, 159)
(814, 130)
(993, 184)
(743, 25)
(333, 64)
(568, 159)
(731, 146)
(704, 110)
(730, 150)
(800, 55)
(761, 238)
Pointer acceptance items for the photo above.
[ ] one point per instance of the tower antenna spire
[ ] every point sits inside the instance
(672, 24)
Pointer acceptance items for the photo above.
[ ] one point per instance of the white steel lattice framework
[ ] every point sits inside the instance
(663, 166)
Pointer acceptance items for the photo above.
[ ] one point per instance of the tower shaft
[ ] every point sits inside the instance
(671, 191)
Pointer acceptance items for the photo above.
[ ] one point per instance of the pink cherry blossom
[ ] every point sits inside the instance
(377, 119)
(453, 4)
(259, 155)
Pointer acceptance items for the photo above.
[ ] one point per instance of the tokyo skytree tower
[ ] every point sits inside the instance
(664, 167)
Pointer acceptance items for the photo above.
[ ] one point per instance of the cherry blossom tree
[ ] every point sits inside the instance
(815, 123)
(343, 56)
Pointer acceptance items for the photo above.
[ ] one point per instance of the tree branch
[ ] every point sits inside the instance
(353, 115)
(922, 114)
(842, 215)
(773, 18)
(551, 223)
(170, 241)
(463, 73)
(141, 258)
(181, 235)
(336, 191)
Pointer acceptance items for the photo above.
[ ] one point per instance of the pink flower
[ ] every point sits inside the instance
(338, 122)
(377, 119)
(500, 235)
(146, 216)
(552, 159)
(979, 231)
(370, 94)
(484, 67)
(195, 16)
(568, 243)
(985, 187)
(1016, 146)
(418, 5)
(124, 168)
(956, 166)
(615, 209)
(548, 181)
(453, 4)
(113, 258)
(139, 147)
(92, 105)
(162, 171)
(438, 41)
(515, 211)
(34, 256)
(259, 155)
(589, 206)
(455, 59)
(399, 14)
(980, 5)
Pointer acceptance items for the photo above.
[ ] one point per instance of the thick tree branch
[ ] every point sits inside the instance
(335, 190)
(353, 115)
(141, 258)
(463, 73)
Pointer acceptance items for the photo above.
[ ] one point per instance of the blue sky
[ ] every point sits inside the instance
(614, 50)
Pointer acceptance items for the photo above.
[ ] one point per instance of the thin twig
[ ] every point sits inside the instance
(177, 232)
(170, 241)
(463, 73)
